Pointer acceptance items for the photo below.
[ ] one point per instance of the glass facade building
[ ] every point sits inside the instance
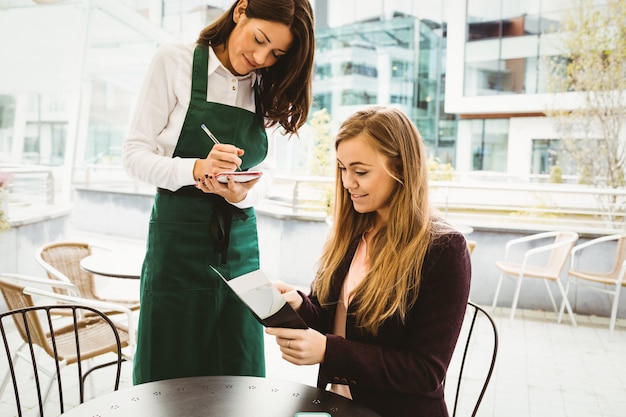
(470, 73)
(505, 44)
(498, 84)
(88, 74)
(396, 62)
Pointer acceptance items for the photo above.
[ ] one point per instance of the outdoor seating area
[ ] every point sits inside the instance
(550, 255)
(542, 367)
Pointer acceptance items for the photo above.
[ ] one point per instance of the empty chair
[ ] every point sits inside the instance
(471, 245)
(478, 341)
(545, 259)
(593, 278)
(61, 260)
(85, 333)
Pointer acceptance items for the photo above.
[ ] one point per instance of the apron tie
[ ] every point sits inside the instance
(219, 227)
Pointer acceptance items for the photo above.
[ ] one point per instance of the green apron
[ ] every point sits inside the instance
(190, 323)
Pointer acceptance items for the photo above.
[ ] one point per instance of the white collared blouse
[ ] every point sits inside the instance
(160, 112)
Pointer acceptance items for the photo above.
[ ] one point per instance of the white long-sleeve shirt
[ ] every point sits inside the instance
(160, 112)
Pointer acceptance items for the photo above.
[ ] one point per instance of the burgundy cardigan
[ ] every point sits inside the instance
(400, 371)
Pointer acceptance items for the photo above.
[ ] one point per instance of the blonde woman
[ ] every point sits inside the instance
(389, 298)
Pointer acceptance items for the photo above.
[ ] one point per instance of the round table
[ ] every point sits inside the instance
(115, 264)
(221, 396)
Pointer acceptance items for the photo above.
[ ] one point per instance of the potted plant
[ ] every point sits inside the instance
(5, 180)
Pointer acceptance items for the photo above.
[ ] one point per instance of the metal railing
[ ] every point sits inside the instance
(475, 200)
(486, 203)
(301, 194)
(580, 208)
(109, 177)
(29, 185)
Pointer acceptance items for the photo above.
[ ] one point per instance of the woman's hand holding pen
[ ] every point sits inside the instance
(298, 346)
(223, 154)
(222, 158)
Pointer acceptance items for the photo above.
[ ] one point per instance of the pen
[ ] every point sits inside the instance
(213, 138)
(208, 132)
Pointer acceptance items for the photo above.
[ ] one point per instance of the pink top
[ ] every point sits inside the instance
(358, 270)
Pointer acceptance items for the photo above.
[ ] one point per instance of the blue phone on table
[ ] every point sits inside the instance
(312, 414)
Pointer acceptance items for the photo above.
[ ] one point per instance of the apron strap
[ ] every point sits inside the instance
(219, 227)
(200, 67)
(257, 99)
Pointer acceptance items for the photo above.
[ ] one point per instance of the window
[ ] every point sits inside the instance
(353, 97)
(400, 99)
(351, 68)
(323, 72)
(7, 119)
(401, 69)
(505, 45)
(321, 101)
(548, 153)
(44, 143)
(489, 142)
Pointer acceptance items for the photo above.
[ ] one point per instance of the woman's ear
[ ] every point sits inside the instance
(240, 9)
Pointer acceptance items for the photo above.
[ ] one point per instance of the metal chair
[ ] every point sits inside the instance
(61, 261)
(608, 282)
(531, 266)
(468, 342)
(50, 341)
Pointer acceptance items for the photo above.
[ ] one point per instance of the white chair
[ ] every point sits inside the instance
(608, 282)
(532, 264)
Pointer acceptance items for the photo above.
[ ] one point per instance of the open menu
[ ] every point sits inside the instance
(264, 301)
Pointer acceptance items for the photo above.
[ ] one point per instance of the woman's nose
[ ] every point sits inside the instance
(264, 57)
(260, 56)
(348, 180)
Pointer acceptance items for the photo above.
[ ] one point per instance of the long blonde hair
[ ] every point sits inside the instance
(397, 252)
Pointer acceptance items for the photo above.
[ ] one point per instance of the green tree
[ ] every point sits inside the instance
(5, 181)
(588, 76)
(323, 162)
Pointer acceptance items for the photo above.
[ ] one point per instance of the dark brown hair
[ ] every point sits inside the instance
(285, 87)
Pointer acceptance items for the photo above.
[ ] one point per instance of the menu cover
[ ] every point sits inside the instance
(264, 301)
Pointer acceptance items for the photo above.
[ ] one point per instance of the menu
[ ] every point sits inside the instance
(264, 301)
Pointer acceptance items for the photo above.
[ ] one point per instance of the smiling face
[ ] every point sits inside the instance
(364, 174)
(254, 43)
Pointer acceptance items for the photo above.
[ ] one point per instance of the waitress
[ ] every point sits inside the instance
(249, 70)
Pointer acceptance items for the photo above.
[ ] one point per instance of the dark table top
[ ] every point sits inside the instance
(221, 396)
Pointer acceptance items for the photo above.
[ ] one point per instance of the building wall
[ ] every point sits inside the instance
(522, 104)
(522, 131)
